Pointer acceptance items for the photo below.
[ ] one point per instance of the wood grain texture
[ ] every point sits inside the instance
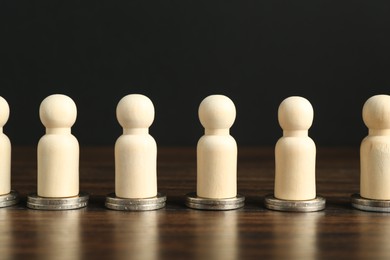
(177, 232)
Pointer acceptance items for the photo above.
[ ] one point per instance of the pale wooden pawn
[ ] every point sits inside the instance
(5, 150)
(295, 152)
(217, 149)
(58, 149)
(136, 149)
(375, 149)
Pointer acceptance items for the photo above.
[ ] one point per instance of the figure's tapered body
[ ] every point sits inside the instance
(58, 165)
(295, 168)
(135, 166)
(217, 166)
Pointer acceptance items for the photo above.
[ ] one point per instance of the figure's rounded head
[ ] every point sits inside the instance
(58, 111)
(295, 113)
(4, 111)
(135, 111)
(217, 112)
(376, 112)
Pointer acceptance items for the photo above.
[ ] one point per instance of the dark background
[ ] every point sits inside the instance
(335, 53)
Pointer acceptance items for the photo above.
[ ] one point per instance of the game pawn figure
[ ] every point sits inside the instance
(135, 158)
(216, 158)
(295, 156)
(8, 197)
(58, 158)
(375, 157)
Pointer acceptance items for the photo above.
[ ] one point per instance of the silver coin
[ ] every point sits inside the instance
(140, 204)
(361, 203)
(36, 202)
(9, 199)
(195, 202)
(294, 205)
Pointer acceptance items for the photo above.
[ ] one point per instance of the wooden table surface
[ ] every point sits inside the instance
(176, 232)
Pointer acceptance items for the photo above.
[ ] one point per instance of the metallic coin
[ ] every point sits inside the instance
(9, 199)
(125, 204)
(294, 205)
(195, 202)
(370, 204)
(43, 203)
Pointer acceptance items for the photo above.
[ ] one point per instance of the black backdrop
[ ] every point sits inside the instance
(258, 52)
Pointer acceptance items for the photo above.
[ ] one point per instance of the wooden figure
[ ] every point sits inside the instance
(216, 157)
(295, 156)
(8, 197)
(5, 150)
(375, 157)
(58, 157)
(136, 149)
(135, 158)
(295, 152)
(58, 149)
